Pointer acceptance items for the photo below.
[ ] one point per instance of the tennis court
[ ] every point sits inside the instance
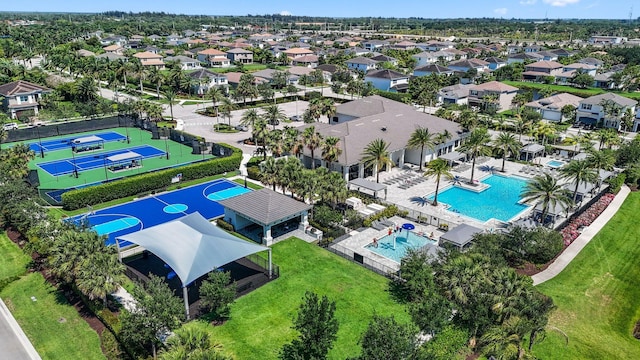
(96, 160)
(68, 142)
(160, 208)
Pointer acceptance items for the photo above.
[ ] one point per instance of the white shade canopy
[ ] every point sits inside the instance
(192, 246)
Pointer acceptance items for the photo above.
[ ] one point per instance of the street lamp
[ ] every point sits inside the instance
(40, 142)
(104, 161)
(75, 167)
(166, 141)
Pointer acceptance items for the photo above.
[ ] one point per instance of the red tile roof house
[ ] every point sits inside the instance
(150, 59)
(214, 58)
(478, 95)
(21, 96)
(297, 52)
(538, 70)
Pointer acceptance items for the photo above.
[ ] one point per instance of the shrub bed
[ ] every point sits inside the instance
(570, 232)
(138, 184)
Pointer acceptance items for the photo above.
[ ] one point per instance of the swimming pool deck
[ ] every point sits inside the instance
(359, 239)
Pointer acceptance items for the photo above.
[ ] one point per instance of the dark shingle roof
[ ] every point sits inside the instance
(265, 206)
(385, 74)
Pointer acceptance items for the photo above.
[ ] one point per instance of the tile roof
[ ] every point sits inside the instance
(21, 87)
(495, 86)
(620, 100)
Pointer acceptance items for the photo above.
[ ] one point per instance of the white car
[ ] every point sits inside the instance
(10, 126)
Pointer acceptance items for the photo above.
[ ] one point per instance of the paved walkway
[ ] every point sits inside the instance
(578, 244)
(14, 344)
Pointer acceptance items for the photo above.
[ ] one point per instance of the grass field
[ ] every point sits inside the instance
(598, 295)
(570, 89)
(13, 261)
(178, 154)
(261, 320)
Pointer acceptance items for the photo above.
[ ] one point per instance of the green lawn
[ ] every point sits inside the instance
(598, 296)
(261, 321)
(53, 326)
(569, 89)
(13, 262)
(250, 185)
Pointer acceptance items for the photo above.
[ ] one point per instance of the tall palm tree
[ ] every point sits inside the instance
(546, 190)
(101, 274)
(275, 143)
(191, 343)
(290, 174)
(260, 133)
(579, 171)
(376, 154)
(477, 144)
(157, 78)
(274, 115)
(226, 107)
(216, 95)
(269, 172)
(438, 168)
(508, 145)
(138, 71)
(311, 140)
(249, 118)
(421, 138)
(290, 139)
(601, 160)
(170, 95)
(328, 108)
(330, 150)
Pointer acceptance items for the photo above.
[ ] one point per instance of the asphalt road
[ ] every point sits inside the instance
(14, 344)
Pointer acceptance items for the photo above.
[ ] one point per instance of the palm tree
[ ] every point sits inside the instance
(438, 168)
(216, 95)
(330, 150)
(156, 77)
(311, 140)
(226, 107)
(477, 144)
(328, 108)
(290, 174)
(508, 145)
(376, 154)
(505, 341)
(546, 190)
(442, 138)
(274, 115)
(101, 274)
(249, 118)
(192, 343)
(275, 143)
(139, 71)
(579, 171)
(421, 138)
(170, 95)
(601, 160)
(269, 172)
(260, 134)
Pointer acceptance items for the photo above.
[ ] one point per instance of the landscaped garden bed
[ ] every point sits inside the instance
(573, 229)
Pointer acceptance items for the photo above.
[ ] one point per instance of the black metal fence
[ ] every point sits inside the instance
(363, 261)
(71, 127)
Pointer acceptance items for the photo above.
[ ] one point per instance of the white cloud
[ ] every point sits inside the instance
(560, 3)
(285, 13)
(528, 2)
(500, 11)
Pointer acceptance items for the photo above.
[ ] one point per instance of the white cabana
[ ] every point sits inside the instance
(91, 142)
(192, 247)
(87, 139)
(453, 156)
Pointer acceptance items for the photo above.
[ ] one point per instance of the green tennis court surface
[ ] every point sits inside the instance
(178, 155)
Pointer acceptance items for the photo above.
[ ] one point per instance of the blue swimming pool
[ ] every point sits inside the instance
(500, 201)
(404, 240)
(555, 163)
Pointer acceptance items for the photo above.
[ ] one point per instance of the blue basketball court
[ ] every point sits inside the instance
(67, 143)
(161, 208)
(96, 160)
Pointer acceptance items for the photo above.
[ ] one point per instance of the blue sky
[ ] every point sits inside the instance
(554, 9)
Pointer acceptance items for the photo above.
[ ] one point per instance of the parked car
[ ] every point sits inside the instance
(10, 126)
(295, 118)
(275, 122)
(241, 128)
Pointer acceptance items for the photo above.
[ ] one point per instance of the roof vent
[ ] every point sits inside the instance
(384, 129)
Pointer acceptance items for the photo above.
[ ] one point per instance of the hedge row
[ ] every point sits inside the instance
(76, 199)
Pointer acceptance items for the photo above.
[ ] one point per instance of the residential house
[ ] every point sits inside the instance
(562, 52)
(388, 80)
(606, 40)
(112, 57)
(532, 49)
(514, 49)
(524, 58)
(152, 49)
(539, 70)
(427, 70)
(233, 79)
(214, 58)
(605, 81)
(375, 45)
(434, 45)
(361, 63)
(150, 59)
(492, 93)
(357, 51)
(425, 58)
(357, 123)
(404, 45)
(571, 70)
(591, 110)
(310, 61)
(551, 107)
(495, 63)
(269, 74)
(380, 58)
(21, 97)
(469, 64)
(85, 53)
(239, 55)
(205, 79)
(293, 53)
(116, 39)
(113, 49)
(186, 63)
(548, 55)
(455, 94)
(591, 61)
(155, 38)
(173, 38)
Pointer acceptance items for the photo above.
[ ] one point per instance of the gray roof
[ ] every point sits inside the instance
(434, 68)
(378, 117)
(369, 185)
(239, 51)
(265, 206)
(204, 73)
(620, 100)
(182, 59)
(192, 246)
(532, 148)
(111, 56)
(555, 102)
(362, 60)
(460, 235)
(386, 74)
(453, 156)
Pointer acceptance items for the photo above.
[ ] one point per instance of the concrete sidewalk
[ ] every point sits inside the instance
(578, 244)
(14, 344)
